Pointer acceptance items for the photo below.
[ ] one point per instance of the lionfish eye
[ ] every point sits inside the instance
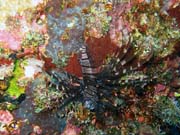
(89, 104)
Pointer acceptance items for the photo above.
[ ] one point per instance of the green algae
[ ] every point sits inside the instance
(167, 110)
(14, 90)
(33, 39)
(151, 28)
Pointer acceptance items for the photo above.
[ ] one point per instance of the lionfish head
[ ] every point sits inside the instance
(89, 104)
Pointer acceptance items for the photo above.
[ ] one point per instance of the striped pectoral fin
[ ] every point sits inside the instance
(138, 61)
(133, 65)
(108, 104)
(122, 51)
(128, 57)
(121, 56)
(66, 101)
(133, 60)
(143, 56)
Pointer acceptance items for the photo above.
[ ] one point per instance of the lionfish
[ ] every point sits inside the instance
(96, 88)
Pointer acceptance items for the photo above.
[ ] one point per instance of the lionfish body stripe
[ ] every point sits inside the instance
(90, 94)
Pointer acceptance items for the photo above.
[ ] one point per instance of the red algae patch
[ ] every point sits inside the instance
(73, 66)
(4, 61)
(100, 48)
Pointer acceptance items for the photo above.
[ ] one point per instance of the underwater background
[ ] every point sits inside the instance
(90, 67)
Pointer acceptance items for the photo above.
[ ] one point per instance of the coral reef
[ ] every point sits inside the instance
(167, 110)
(6, 70)
(97, 21)
(66, 33)
(33, 39)
(44, 98)
(90, 67)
